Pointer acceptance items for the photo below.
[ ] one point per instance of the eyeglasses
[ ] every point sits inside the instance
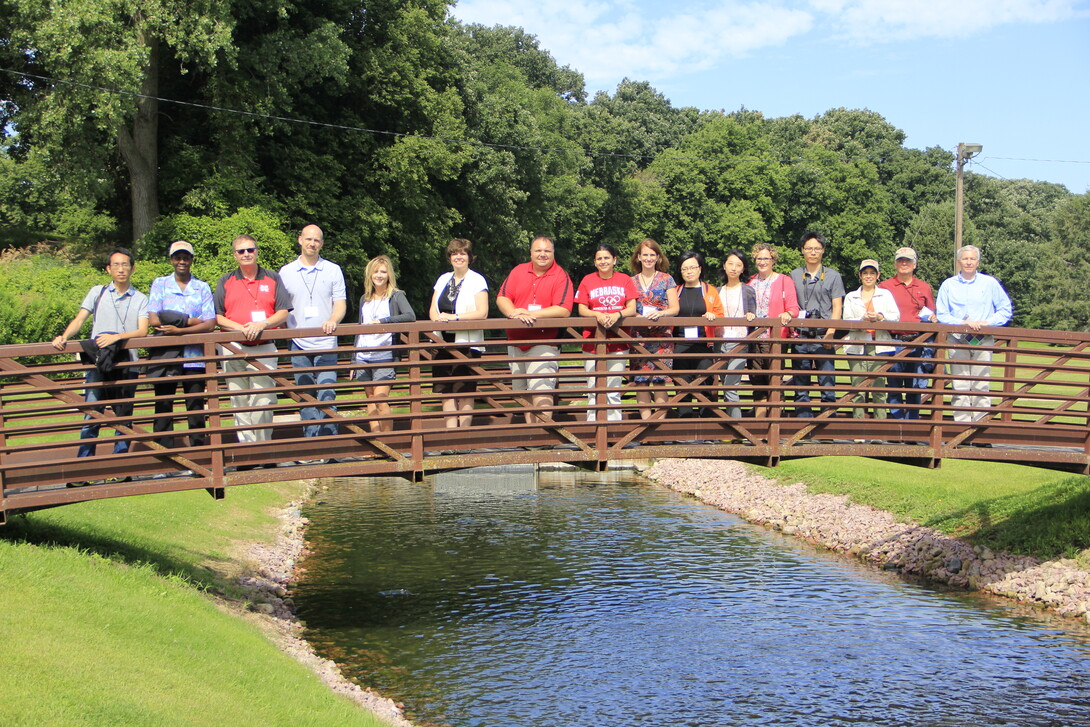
(245, 250)
(690, 269)
(120, 265)
(763, 259)
(812, 249)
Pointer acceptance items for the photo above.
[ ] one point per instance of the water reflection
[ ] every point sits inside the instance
(490, 598)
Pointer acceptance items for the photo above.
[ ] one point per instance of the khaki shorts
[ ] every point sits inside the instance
(540, 362)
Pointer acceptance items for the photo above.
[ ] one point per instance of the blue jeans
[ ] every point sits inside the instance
(911, 385)
(106, 393)
(803, 380)
(314, 359)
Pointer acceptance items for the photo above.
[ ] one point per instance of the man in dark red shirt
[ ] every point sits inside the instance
(534, 291)
(249, 300)
(916, 304)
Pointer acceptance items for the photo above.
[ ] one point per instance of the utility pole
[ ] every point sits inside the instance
(965, 153)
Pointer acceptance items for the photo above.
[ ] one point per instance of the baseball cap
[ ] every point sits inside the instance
(180, 246)
(868, 263)
(905, 252)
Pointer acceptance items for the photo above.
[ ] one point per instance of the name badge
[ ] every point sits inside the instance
(533, 306)
(257, 316)
(692, 331)
(310, 311)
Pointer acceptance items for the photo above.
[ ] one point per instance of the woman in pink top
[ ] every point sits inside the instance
(776, 298)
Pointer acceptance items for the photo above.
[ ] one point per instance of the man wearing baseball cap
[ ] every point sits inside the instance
(874, 305)
(179, 304)
(917, 305)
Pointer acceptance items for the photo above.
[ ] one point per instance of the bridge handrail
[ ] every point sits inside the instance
(1040, 386)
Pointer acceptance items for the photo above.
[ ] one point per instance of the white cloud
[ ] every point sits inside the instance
(607, 40)
(610, 39)
(876, 21)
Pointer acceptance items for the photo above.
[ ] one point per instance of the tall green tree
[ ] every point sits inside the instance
(721, 188)
(1063, 303)
(106, 57)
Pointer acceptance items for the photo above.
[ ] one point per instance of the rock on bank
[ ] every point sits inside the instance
(875, 536)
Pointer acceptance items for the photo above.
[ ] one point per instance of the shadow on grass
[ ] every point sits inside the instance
(58, 535)
(1050, 522)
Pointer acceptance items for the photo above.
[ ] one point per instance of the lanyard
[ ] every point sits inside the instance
(303, 275)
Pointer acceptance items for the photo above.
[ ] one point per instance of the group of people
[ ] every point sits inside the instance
(310, 293)
(969, 300)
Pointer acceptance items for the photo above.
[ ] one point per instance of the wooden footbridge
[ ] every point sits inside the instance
(1040, 387)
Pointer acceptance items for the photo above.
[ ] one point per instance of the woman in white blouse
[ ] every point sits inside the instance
(739, 301)
(869, 303)
(380, 303)
(460, 295)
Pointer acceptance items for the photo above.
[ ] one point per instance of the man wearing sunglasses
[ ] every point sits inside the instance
(249, 300)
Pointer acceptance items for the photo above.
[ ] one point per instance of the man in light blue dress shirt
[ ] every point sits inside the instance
(972, 300)
(317, 290)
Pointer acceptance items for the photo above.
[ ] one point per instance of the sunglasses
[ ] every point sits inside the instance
(245, 250)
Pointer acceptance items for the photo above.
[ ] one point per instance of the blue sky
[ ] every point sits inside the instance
(1013, 75)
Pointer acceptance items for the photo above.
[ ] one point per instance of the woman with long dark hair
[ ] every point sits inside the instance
(607, 296)
(739, 301)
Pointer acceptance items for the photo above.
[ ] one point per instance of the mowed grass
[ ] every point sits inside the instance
(1020, 509)
(106, 620)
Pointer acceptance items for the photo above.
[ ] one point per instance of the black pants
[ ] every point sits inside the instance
(166, 406)
(688, 370)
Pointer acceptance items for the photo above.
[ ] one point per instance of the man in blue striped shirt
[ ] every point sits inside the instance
(972, 300)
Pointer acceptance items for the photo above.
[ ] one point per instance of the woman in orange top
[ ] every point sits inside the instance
(696, 299)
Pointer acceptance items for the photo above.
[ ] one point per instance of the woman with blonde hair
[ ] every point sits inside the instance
(380, 303)
(776, 298)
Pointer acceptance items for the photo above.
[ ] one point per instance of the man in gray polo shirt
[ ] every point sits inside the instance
(120, 312)
(317, 291)
(820, 291)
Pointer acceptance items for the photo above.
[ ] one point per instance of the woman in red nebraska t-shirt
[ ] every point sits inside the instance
(607, 296)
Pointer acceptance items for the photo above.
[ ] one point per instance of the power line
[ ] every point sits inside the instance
(1047, 161)
(344, 127)
(468, 142)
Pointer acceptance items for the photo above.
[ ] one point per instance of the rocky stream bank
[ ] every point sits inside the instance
(875, 536)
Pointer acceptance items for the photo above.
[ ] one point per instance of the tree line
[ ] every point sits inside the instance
(396, 128)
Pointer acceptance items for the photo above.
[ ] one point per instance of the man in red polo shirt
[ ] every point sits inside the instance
(916, 304)
(534, 291)
(249, 300)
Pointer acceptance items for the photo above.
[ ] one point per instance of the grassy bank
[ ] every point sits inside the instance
(105, 621)
(1023, 510)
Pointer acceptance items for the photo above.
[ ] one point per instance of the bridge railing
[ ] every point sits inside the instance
(1039, 385)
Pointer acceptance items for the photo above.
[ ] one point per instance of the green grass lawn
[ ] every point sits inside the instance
(106, 624)
(1002, 506)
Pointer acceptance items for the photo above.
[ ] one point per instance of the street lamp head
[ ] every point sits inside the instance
(968, 150)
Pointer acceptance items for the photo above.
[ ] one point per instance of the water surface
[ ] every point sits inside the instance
(509, 600)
